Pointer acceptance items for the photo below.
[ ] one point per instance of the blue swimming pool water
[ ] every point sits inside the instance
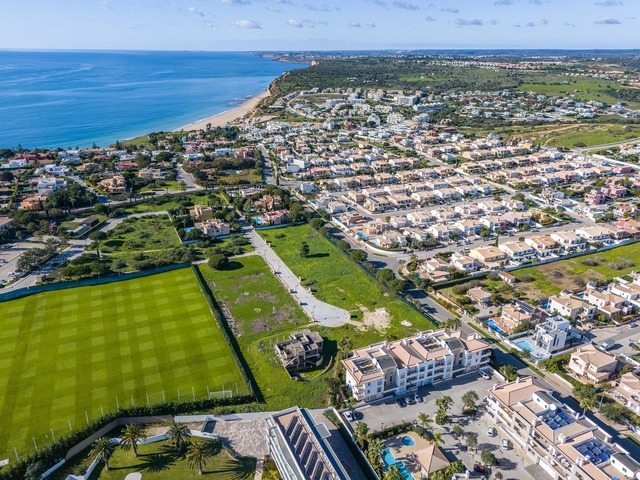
(389, 460)
(523, 344)
(408, 441)
(494, 326)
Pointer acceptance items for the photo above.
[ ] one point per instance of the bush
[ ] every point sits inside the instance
(590, 262)
(217, 261)
(615, 266)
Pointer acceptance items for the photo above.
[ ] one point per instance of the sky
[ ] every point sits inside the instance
(250, 25)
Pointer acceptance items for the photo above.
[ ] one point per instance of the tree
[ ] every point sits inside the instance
(452, 323)
(393, 473)
(345, 345)
(437, 439)
(133, 433)
(217, 261)
(385, 275)
(469, 400)
(424, 419)
(198, 455)
(102, 449)
(587, 403)
(498, 476)
(612, 411)
(457, 431)
(304, 249)
(488, 458)
(179, 434)
(316, 223)
(509, 371)
(444, 403)
(374, 456)
(472, 441)
(361, 431)
(358, 255)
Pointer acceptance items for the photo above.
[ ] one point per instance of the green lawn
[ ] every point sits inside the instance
(159, 461)
(593, 135)
(68, 352)
(167, 202)
(338, 280)
(139, 234)
(552, 278)
(584, 88)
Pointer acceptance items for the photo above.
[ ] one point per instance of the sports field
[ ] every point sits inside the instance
(68, 352)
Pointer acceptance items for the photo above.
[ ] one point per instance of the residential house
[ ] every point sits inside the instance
(464, 263)
(606, 302)
(571, 306)
(544, 245)
(551, 335)
(490, 256)
(115, 184)
(569, 241)
(628, 391)
(518, 252)
(520, 314)
(213, 228)
(593, 234)
(480, 295)
(589, 363)
(436, 270)
(201, 213)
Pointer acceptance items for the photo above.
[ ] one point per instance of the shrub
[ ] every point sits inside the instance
(590, 262)
(615, 266)
(217, 261)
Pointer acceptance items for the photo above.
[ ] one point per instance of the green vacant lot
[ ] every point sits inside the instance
(550, 279)
(68, 352)
(139, 234)
(593, 135)
(339, 281)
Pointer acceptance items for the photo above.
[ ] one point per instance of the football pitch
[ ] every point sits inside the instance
(67, 355)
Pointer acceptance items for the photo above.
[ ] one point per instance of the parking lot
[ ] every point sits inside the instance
(9, 255)
(388, 413)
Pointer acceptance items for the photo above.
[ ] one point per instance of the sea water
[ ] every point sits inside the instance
(77, 98)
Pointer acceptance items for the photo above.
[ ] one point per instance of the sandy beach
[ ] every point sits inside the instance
(223, 118)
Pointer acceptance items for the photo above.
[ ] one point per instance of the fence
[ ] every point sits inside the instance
(230, 338)
(24, 292)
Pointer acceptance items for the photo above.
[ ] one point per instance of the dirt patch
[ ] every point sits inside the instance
(558, 275)
(246, 296)
(270, 321)
(378, 319)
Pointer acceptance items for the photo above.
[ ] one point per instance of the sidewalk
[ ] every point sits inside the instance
(318, 311)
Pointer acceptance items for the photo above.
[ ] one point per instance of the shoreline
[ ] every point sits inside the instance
(223, 118)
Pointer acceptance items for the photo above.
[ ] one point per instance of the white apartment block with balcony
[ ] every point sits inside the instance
(388, 368)
(564, 443)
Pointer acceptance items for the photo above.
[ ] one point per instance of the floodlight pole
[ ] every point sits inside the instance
(35, 444)
(16, 452)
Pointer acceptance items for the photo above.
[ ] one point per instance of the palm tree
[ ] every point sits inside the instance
(437, 439)
(361, 432)
(133, 433)
(587, 402)
(424, 419)
(374, 455)
(102, 449)
(197, 455)
(179, 434)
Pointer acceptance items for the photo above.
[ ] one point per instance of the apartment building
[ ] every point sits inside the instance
(300, 447)
(564, 443)
(302, 351)
(388, 368)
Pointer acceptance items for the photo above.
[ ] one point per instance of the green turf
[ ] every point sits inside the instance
(66, 352)
(159, 461)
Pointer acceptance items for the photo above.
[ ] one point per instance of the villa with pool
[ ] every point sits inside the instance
(414, 456)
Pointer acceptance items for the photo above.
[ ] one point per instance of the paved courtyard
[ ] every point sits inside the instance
(513, 464)
(247, 437)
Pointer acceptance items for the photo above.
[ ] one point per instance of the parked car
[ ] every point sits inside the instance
(410, 400)
(348, 416)
(491, 432)
(633, 325)
(417, 397)
(505, 444)
(401, 403)
(485, 375)
(478, 467)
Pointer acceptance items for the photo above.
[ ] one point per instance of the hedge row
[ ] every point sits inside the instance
(50, 455)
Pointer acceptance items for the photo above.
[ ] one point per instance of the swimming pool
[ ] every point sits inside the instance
(523, 344)
(408, 441)
(389, 460)
(494, 326)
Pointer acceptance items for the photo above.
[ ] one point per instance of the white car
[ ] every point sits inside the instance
(485, 375)
(491, 432)
(348, 416)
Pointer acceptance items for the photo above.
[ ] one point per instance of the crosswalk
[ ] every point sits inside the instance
(623, 328)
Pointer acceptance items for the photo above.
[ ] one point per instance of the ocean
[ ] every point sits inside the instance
(51, 99)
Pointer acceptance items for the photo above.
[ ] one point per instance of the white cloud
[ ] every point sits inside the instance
(246, 24)
(361, 25)
(306, 23)
(462, 22)
(195, 11)
(504, 2)
(608, 21)
(236, 2)
(321, 8)
(609, 3)
(450, 10)
(430, 19)
(295, 23)
(405, 6)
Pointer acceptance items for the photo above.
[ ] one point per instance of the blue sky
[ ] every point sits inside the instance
(318, 25)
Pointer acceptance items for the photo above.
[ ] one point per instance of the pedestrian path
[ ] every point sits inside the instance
(315, 309)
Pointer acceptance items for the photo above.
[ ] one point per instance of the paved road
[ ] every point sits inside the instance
(315, 309)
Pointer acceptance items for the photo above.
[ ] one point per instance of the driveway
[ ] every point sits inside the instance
(315, 309)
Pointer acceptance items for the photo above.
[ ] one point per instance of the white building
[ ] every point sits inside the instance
(551, 336)
(388, 368)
